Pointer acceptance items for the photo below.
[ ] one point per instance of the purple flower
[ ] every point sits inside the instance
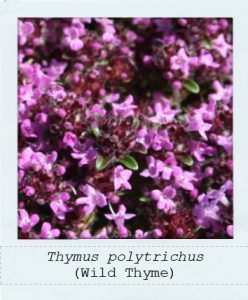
(164, 199)
(72, 38)
(161, 141)
(40, 79)
(49, 161)
(182, 62)
(37, 160)
(70, 139)
(57, 92)
(56, 68)
(94, 198)
(139, 234)
(24, 160)
(219, 196)
(206, 211)
(157, 233)
(146, 137)
(124, 109)
(109, 34)
(85, 234)
(207, 60)
(25, 222)
(95, 111)
(102, 234)
(196, 123)
(120, 217)
(121, 177)
(229, 230)
(58, 205)
(219, 44)
(28, 129)
(41, 118)
(184, 178)
(199, 149)
(25, 30)
(169, 164)
(47, 232)
(156, 139)
(222, 93)
(207, 110)
(27, 95)
(226, 142)
(85, 153)
(109, 29)
(60, 170)
(163, 112)
(29, 191)
(155, 167)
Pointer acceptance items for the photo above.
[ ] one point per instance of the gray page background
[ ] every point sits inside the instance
(125, 8)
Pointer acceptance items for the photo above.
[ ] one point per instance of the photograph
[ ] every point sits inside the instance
(125, 128)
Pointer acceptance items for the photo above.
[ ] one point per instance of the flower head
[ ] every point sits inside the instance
(184, 179)
(58, 204)
(181, 61)
(196, 123)
(25, 30)
(164, 199)
(85, 153)
(47, 232)
(163, 112)
(124, 109)
(72, 38)
(222, 93)
(121, 177)
(93, 199)
(220, 45)
(120, 217)
(155, 167)
(25, 222)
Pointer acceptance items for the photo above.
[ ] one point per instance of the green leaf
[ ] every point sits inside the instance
(103, 62)
(96, 131)
(102, 162)
(121, 193)
(136, 123)
(144, 199)
(192, 86)
(187, 160)
(129, 162)
(206, 43)
(181, 118)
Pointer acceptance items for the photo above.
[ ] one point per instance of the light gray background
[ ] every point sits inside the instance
(224, 256)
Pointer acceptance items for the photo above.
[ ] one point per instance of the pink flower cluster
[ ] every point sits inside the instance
(125, 128)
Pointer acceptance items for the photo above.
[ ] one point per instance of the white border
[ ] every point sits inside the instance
(8, 150)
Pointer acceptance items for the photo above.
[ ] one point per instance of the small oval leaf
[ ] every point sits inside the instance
(129, 162)
(102, 163)
(192, 86)
(136, 123)
(206, 43)
(188, 160)
(96, 131)
(103, 63)
(144, 199)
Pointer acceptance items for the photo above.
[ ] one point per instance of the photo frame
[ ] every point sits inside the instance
(25, 266)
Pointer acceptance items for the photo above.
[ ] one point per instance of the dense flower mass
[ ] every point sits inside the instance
(125, 128)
